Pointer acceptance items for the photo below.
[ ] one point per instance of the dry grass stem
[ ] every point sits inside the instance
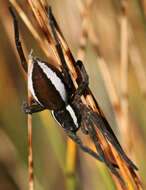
(124, 72)
(71, 164)
(84, 36)
(71, 156)
(44, 4)
(124, 172)
(30, 154)
(143, 2)
(124, 82)
(136, 179)
(136, 62)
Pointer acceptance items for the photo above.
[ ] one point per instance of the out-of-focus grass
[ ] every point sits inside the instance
(49, 142)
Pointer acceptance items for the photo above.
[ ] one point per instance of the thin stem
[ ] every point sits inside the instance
(124, 71)
(143, 2)
(84, 35)
(124, 87)
(30, 154)
(136, 62)
(71, 165)
(123, 171)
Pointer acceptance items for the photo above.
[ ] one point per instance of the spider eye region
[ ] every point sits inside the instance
(47, 85)
(67, 118)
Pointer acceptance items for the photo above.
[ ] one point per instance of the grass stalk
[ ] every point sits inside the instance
(30, 153)
(124, 74)
(71, 155)
(136, 62)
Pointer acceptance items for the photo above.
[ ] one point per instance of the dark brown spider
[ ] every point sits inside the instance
(54, 90)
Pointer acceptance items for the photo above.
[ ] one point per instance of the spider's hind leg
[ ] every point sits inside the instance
(78, 141)
(17, 41)
(94, 137)
(103, 126)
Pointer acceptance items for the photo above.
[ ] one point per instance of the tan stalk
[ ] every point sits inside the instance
(30, 153)
(143, 2)
(44, 4)
(71, 154)
(124, 72)
(136, 62)
(124, 81)
(84, 35)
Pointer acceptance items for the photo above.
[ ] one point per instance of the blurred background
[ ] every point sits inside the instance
(49, 141)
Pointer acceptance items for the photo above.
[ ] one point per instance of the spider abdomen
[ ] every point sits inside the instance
(46, 85)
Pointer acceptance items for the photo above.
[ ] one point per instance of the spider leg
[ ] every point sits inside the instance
(93, 135)
(17, 41)
(81, 88)
(34, 108)
(86, 149)
(78, 141)
(64, 67)
(85, 80)
(101, 124)
(85, 131)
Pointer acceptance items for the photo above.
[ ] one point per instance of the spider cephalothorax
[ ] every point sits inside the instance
(54, 90)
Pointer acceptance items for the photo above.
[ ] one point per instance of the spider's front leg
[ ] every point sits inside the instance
(17, 41)
(26, 109)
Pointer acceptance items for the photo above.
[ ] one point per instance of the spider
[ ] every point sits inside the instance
(54, 90)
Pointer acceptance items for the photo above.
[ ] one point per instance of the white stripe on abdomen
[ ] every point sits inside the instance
(56, 81)
(30, 83)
